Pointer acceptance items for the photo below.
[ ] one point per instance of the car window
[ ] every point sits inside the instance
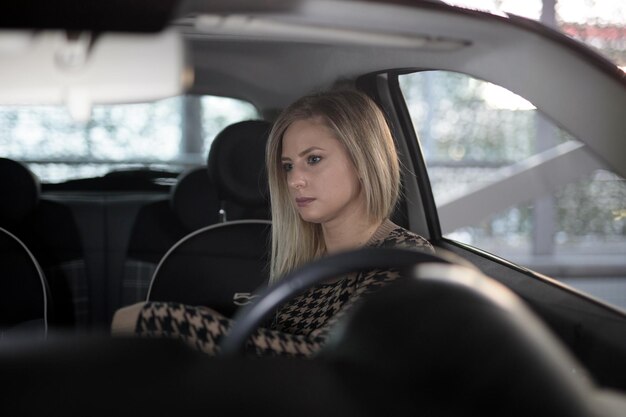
(169, 134)
(507, 180)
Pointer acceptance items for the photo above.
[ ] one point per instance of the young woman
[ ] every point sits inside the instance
(334, 181)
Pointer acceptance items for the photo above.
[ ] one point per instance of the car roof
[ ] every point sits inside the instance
(313, 45)
(270, 53)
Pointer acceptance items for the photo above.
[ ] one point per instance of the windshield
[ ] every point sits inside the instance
(170, 134)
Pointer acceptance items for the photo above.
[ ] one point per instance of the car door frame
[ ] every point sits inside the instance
(593, 330)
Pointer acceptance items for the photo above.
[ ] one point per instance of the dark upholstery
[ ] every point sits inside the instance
(237, 167)
(24, 292)
(52, 234)
(416, 348)
(192, 204)
(211, 266)
(49, 230)
(194, 199)
(104, 377)
(214, 265)
(20, 190)
(155, 230)
(456, 343)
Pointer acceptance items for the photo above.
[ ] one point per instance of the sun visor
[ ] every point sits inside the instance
(79, 70)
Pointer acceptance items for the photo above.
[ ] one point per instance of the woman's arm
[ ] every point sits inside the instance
(203, 328)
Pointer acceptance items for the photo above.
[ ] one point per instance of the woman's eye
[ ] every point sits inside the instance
(287, 166)
(313, 159)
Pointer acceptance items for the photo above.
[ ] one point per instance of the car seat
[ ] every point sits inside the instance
(236, 165)
(223, 264)
(449, 341)
(24, 292)
(48, 229)
(191, 205)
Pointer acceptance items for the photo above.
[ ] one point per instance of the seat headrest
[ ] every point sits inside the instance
(237, 163)
(194, 199)
(451, 332)
(20, 190)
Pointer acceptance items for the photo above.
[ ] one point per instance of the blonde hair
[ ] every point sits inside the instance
(358, 123)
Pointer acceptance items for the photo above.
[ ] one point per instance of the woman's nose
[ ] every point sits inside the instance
(297, 181)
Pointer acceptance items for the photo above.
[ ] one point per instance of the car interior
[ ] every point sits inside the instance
(466, 332)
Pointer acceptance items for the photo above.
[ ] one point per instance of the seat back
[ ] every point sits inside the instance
(448, 340)
(49, 230)
(158, 225)
(236, 165)
(24, 294)
(220, 266)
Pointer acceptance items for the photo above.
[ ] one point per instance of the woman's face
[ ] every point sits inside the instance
(322, 180)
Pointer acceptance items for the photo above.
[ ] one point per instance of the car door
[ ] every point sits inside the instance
(492, 179)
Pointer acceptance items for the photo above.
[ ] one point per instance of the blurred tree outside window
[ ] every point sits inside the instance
(491, 160)
(582, 224)
(600, 24)
(169, 134)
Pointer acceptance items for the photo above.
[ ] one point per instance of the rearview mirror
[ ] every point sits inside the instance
(80, 70)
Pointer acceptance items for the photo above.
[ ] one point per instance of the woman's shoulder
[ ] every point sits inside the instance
(397, 236)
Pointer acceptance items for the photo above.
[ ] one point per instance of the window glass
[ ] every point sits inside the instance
(507, 180)
(168, 134)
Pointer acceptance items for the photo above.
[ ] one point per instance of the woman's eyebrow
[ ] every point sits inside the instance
(304, 152)
(309, 150)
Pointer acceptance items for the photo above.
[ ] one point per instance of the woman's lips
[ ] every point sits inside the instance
(304, 201)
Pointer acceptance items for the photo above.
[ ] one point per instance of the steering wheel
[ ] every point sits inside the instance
(252, 315)
(452, 333)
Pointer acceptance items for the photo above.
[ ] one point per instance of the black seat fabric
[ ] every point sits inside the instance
(237, 167)
(49, 230)
(20, 190)
(194, 200)
(218, 266)
(192, 204)
(221, 265)
(455, 342)
(24, 294)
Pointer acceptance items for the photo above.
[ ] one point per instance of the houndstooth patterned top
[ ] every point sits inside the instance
(299, 328)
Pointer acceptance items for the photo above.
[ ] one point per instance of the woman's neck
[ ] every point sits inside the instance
(343, 237)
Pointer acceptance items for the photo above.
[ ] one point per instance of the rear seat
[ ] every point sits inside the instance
(99, 248)
(124, 234)
(24, 293)
(159, 225)
(104, 221)
(48, 229)
(223, 264)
